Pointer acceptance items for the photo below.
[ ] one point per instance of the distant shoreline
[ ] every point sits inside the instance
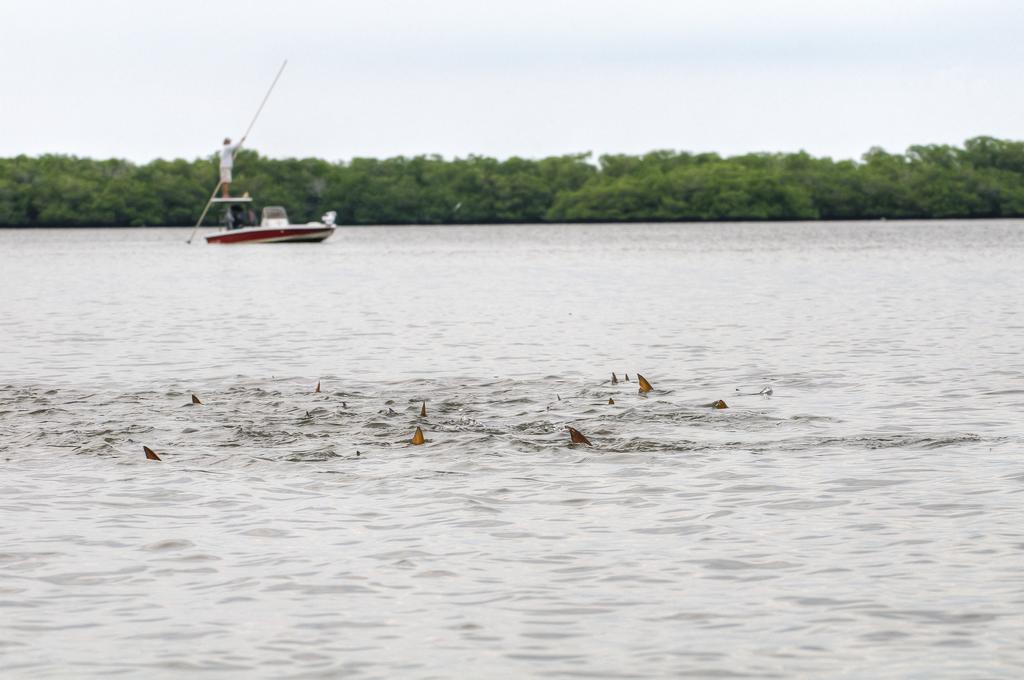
(898, 221)
(983, 179)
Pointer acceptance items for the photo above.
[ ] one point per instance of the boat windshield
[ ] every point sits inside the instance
(274, 212)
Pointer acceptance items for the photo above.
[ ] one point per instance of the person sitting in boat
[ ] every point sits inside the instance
(236, 218)
(227, 162)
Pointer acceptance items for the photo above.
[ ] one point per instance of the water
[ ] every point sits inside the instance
(865, 521)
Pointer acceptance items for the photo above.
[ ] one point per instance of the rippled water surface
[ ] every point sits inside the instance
(863, 521)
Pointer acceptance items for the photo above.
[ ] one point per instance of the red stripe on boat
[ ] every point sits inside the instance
(271, 235)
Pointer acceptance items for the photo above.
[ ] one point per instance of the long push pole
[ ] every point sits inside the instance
(240, 142)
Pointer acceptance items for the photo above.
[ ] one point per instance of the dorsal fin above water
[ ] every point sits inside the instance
(577, 437)
(644, 385)
(417, 437)
(150, 454)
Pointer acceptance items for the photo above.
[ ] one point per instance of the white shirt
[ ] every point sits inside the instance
(227, 155)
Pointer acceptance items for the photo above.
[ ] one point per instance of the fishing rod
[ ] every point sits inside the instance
(241, 141)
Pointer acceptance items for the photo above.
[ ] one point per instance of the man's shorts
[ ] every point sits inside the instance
(225, 175)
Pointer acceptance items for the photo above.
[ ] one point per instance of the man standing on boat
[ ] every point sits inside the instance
(227, 161)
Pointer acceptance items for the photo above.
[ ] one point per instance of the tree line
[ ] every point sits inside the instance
(983, 178)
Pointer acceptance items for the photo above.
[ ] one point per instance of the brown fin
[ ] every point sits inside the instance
(577, 437)
(644, 385)
(720, 404)
(615, 380)
(558, 397)
(627, 377)
(423, 410)
(317, 386)
(417, 438)
(610, 401)
(150, 454)
(195, 400)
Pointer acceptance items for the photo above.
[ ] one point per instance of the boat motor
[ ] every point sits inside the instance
(329, 218)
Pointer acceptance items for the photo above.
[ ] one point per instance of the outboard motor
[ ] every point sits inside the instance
(329, 218)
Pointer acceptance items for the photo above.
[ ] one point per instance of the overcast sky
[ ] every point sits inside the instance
(140, 80)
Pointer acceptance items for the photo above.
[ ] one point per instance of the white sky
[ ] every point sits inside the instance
(140, 79)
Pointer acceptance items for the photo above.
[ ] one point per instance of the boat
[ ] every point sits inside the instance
(272, 228)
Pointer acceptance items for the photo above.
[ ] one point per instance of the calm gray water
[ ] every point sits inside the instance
(865, 521)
